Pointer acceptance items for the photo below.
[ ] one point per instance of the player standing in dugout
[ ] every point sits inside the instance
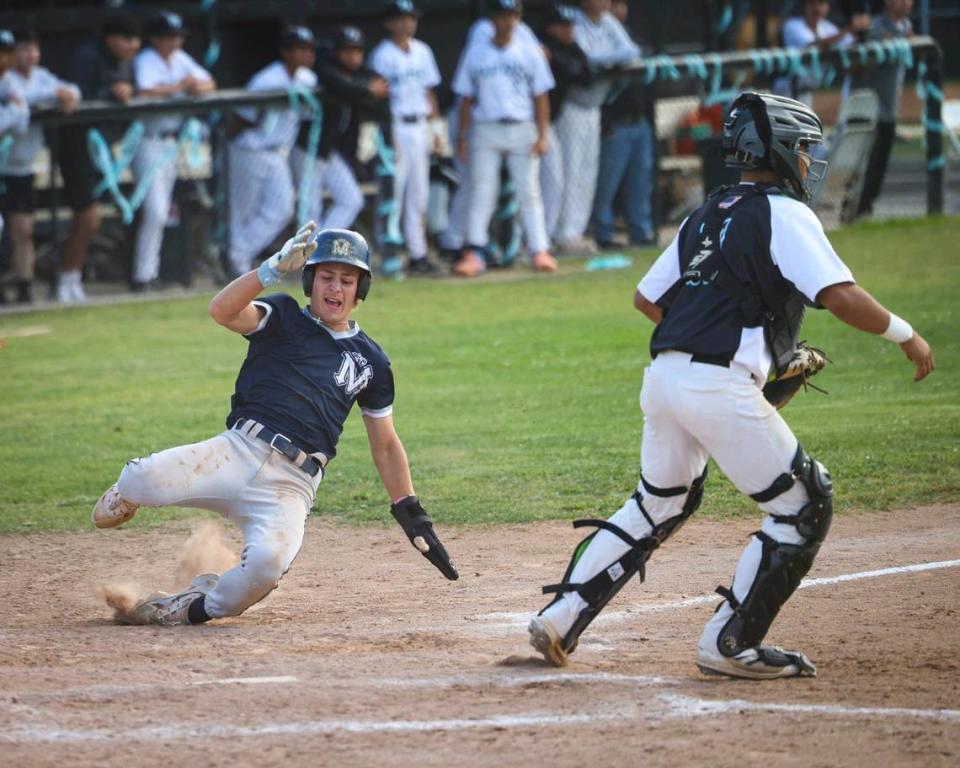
(305, 368)
(727, 298)
(408, 65)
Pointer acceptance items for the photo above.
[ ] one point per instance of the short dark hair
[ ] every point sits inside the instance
(122, 24)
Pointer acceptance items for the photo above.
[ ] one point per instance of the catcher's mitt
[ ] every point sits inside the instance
(807, 361)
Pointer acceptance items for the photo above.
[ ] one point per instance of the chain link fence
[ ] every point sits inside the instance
(189, 191)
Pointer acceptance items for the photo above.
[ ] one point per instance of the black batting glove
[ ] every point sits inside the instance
(418, 526)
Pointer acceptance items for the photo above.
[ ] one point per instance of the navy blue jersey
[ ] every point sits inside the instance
(772, 246)
(301, 379)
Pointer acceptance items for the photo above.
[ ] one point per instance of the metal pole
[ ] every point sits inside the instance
(935, 157)
(924, 17)
(54, 197)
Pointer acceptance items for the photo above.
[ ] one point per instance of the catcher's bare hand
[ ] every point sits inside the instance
(919, 353)
(418, 526)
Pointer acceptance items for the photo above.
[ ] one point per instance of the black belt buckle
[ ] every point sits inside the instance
(287, 448)
(411, 118)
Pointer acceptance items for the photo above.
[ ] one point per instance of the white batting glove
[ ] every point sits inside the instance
(290, 258)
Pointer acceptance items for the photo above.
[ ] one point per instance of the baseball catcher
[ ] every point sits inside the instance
(305, 369)
(727, 298)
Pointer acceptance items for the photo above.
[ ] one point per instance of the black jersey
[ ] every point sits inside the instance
(301, 379)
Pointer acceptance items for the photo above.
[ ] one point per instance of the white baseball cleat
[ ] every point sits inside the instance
(764, 662)
(170, 610)
(547, 641)
(112, 509)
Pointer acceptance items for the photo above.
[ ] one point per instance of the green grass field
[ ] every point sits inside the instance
(516, 399)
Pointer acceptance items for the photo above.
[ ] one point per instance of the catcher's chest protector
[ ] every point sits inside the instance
(728, 281)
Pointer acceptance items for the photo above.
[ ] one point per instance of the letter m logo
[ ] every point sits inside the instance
(349, 377)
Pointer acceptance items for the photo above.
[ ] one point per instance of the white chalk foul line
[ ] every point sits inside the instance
(507, 680)
(686, 706)
(100, 691)
(225, 730)
(512, 619)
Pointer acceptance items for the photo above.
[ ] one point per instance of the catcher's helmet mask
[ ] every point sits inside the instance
(340, 246)
(767, 132)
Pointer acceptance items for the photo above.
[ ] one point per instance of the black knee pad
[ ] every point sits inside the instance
(812, 521)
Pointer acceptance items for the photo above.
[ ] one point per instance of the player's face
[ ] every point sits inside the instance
(28, 56)
(299, 56)
(334, 293)
(899, 8)
(351, 59)
(562, 32)
(403, 27)
(803, 155)
(505, 23)
(7, 58)
(815, 10)
(122, 47)
(167, 44)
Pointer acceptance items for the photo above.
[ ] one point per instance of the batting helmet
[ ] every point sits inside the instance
(340, 246)
(767, 132)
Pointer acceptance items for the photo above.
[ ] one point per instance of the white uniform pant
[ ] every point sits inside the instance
(261, 201)
(412, 143)
(332, 175)
(490, 145)
(455, 235)
(156, 205)
(578, 134)
(248, 483)
(692, 411)
(551, 182)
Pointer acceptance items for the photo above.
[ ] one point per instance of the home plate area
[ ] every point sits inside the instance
(364, 656)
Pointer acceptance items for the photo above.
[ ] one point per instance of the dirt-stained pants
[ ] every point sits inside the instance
(247, 482)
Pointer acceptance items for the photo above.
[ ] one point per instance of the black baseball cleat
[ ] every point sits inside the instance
(423, 267)
(765, 662)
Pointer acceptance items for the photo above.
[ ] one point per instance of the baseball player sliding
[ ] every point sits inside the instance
(305, 368)
(727, 298)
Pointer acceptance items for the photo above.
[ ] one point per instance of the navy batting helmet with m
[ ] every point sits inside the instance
(340, 246)
(767, 132)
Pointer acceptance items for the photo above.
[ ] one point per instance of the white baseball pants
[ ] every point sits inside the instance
(490, 145)
(248, 483)
(551, 183)
(455, 235)
(693, 411)
(261, 201)
(156, 205)
(332, 175)
(578, 133)
(412, 143)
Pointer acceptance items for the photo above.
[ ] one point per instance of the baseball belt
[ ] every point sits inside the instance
(311, 463)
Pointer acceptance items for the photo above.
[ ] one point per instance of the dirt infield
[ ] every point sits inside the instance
(366, 656)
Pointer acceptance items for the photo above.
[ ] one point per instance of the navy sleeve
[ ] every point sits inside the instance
(377, 398)
(278, 309)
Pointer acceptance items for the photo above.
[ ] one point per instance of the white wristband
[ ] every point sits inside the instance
(899, 330)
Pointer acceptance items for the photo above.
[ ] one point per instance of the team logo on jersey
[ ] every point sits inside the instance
(354, 373)
(692, 274)
(341, 248)
(729, 202)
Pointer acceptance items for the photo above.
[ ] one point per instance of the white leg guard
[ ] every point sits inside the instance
(769, 571)
(607, 559)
